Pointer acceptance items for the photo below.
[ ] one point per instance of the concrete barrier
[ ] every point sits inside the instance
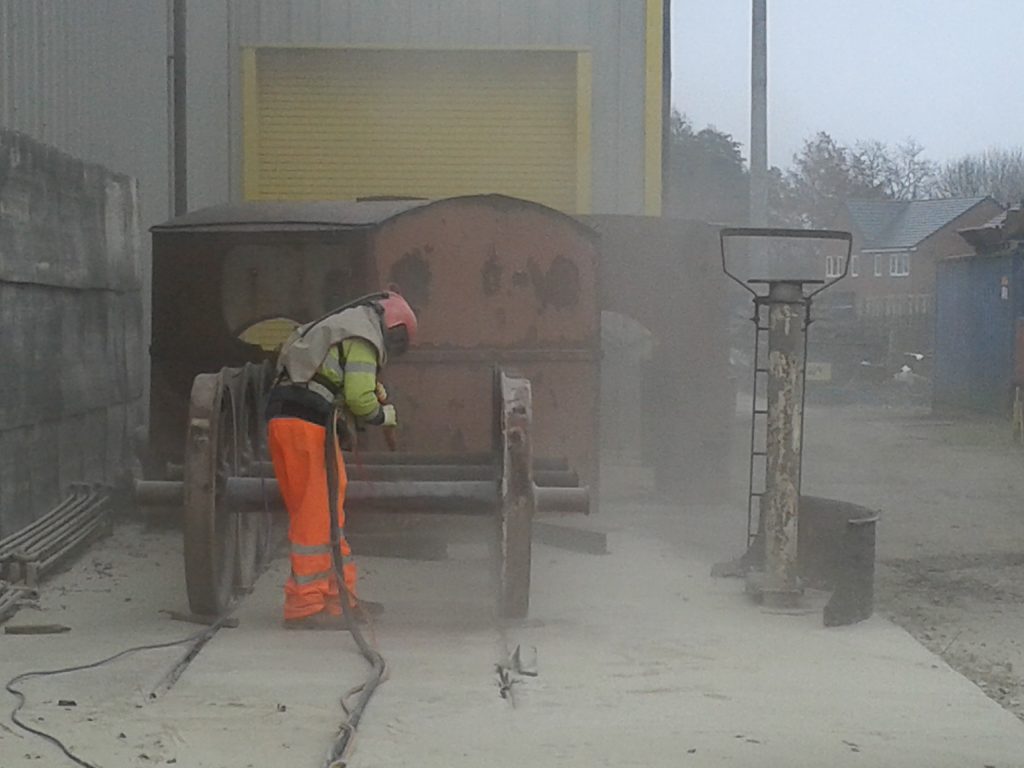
(71, 348)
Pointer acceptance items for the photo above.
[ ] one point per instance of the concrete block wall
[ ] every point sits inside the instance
(71, 344)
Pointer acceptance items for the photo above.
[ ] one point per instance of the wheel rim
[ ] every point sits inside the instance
(210, 529)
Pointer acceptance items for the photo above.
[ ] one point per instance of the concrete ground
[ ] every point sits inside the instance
(951, 538)
(641, 658)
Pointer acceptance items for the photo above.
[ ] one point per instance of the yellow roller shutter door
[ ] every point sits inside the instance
(340, 124)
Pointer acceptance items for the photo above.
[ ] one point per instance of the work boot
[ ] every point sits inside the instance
(322, 620)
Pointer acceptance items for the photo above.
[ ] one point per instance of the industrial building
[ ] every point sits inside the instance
(561, 103)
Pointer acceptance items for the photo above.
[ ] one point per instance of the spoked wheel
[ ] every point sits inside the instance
(211, 530)
(255, 529)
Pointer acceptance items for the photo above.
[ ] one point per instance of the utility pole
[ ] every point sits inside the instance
(179, 123)
(759, 115)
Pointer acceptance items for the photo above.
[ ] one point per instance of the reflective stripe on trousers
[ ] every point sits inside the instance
(297, 452)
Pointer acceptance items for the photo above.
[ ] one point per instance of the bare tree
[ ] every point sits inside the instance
(900, 173)
(996, 172)
(913, 176)
(825, 174)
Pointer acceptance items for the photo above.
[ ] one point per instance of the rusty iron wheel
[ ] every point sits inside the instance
(513, 549)
(210, 530)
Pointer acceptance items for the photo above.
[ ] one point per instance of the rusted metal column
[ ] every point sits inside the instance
(786, 333)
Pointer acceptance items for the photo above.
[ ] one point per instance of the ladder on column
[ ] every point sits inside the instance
(758, 418)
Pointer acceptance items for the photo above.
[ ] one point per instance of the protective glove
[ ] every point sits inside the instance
(390, 417)
(382, 394)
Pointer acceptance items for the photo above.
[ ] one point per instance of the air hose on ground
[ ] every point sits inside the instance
(197, 640)
(335, 758)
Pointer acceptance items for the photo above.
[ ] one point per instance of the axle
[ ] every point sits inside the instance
(248, 494)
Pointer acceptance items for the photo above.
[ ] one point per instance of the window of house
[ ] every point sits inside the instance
(878, 265)
(855, 265)
(833, 266)
(899, 264)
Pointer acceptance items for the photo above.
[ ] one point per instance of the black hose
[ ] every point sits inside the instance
(198, 638)
(335, 758)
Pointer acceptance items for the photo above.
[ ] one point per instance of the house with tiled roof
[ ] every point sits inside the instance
(896, 246)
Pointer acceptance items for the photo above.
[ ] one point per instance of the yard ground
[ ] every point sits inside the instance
(951, 538)
(641, 658)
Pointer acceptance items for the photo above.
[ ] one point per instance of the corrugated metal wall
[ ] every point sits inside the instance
(89, 77)
(614, 30)
(978, 301)
(353, 123)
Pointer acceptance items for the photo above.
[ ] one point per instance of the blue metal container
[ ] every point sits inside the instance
(978, 301)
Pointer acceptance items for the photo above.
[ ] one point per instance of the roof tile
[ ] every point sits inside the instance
(904, 223)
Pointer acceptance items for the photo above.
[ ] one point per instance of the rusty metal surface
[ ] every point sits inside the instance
(493, 271)
(518, 502)
(208, 529)
(248, 495)
(780, 503)
(209, 287)
(493, 279)
(224, 552)
(449, 409)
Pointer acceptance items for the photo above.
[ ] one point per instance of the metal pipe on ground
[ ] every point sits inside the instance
(29, 554)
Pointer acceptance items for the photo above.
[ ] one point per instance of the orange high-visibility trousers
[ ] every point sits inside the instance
(297, 451)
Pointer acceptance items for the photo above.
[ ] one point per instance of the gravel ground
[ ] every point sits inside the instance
(951, 538)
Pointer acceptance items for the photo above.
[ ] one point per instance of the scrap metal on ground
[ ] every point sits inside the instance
(35, 551)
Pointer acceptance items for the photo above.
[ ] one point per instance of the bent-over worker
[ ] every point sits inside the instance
(333, 362)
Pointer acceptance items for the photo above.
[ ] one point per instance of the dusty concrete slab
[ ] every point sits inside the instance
(641, 659)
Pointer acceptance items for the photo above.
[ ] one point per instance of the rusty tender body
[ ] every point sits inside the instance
(493, 280)
(496, 282)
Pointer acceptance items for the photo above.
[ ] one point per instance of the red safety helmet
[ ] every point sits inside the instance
(398, 315)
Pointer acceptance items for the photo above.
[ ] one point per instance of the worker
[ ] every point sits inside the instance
(327, 367)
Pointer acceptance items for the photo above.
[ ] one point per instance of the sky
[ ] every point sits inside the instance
(947, 73)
